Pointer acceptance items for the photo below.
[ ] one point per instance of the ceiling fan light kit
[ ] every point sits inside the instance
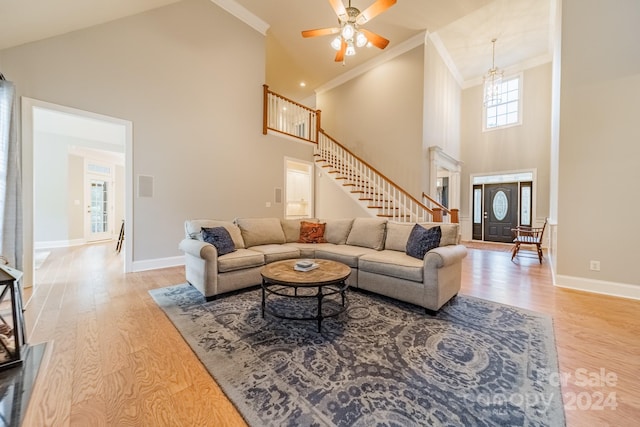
(349, 34)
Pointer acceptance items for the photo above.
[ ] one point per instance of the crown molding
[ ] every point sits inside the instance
(387, 55)
(243, 14)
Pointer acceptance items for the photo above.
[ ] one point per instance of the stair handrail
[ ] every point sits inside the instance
(299, 121)
(421, 210)
(453, 213)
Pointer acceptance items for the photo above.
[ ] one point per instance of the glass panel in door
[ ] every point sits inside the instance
(98, 209)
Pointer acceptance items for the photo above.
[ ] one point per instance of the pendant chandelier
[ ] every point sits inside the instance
(493, 82)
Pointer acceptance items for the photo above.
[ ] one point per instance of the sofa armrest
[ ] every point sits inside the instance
(199, 249)
(444, 256)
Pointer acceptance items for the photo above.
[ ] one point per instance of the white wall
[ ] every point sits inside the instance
(442, 103)
(51, 177)
(59, 182)
(189, 76)
(599, 147)
(75, 212)
(442, 113)
(332, 202)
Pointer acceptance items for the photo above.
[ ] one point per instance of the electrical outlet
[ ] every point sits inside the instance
(594, 265)
(267, 204)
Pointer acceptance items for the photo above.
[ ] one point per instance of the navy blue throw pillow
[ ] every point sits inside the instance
(422, 240)
(220, 238)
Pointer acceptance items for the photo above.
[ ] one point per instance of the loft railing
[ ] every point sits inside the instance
(285, 116)
(439, 208)
(372, 186)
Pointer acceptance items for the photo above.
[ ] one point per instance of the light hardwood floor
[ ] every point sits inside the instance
(114, 359)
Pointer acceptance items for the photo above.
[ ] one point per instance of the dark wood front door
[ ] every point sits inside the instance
(500, 211)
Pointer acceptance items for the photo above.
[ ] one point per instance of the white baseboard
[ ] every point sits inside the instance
(52, 244)
(613, 289)
(154, 264)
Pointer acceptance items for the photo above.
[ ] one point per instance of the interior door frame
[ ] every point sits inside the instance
(27, 130)
(506, 175)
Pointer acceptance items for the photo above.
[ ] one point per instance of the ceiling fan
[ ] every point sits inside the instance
(350, 35)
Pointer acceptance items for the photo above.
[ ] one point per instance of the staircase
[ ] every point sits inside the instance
(370, 188)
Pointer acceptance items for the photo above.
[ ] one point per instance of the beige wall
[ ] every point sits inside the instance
(526, 146)
(189, 76)
(599, 147)
(378, 116)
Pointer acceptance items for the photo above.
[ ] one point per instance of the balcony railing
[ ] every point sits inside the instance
(290, 118)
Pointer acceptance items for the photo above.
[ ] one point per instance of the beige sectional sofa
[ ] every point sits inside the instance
(373, 248)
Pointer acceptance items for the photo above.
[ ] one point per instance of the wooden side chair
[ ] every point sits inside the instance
(524, 235)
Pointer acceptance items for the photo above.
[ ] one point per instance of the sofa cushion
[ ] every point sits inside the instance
(308, 250)
(394, 264)
(450, 232)
(277, 252)
(345, 254)
(368, 233)
(261, 231)
(397, 235)
(240, 259)
(336, 231)
(220, 238)
(312, 232)
(291, 228)
(422, 240)
(193, 229)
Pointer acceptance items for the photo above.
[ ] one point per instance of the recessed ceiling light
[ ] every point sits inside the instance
(302, 84)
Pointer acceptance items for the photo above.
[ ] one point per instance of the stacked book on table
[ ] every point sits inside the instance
(305, 265)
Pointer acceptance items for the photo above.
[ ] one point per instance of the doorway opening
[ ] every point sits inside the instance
(298, 189)
(501, 202)
(77, 168)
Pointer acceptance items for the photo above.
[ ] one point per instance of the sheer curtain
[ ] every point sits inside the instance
(10, 178)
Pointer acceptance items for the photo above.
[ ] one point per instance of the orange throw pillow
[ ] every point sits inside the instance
(311, 232)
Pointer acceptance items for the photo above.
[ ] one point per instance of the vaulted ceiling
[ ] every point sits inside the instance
(464, 28)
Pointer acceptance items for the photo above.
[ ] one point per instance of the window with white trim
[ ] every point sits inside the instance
(506, 112)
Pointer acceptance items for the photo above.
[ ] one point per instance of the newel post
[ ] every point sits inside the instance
(437, 214)
(454, 216)
(265, 108)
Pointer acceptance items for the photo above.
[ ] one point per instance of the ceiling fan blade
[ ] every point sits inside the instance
(376, 40)
(320, 32)
(340, 54)
(340, 10)
(374, 10)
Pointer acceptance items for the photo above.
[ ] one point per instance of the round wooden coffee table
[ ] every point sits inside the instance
(280, 279)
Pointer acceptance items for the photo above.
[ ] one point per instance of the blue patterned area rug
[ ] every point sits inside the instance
(380, 363)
